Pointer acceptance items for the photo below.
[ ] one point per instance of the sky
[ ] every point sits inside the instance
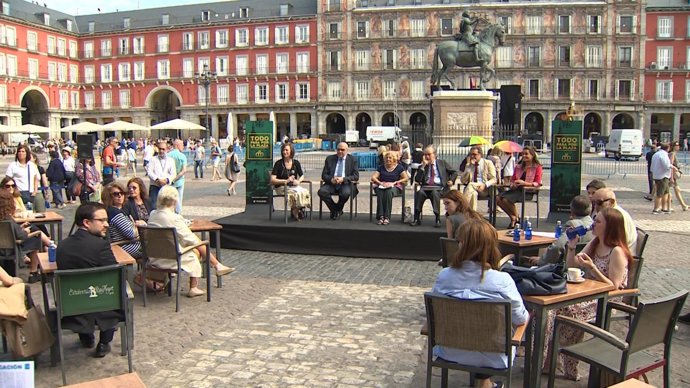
(86, 7)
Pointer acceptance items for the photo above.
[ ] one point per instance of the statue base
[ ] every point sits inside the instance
(461, 113)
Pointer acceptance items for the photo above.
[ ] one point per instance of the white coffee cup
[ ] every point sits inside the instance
(575, 274)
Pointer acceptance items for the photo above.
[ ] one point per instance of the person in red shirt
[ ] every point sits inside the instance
(109, 161)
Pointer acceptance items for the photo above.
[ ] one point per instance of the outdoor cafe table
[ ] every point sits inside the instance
(507, 245)
(203, 227)
(540, 306)
(51, 219)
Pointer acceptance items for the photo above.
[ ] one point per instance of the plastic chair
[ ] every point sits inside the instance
(653, 323)
(161, 243)
(473, 325)
(9, 243)
(535, 199)
(372, 194)
(98, 289)
(274, 194)
(416, 188)
(353, 199)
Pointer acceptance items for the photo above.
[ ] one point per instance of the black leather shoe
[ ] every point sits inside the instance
(437, 224)
(416, 223)
(87, 342)
(337, 215)
(333, 215)
(102, 350)
(684, 318)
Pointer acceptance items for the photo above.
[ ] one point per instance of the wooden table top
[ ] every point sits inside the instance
(575, 290)
(504, 238)
(129, 380)
(204, 226)
(632, 383)
(121, 256)
(49, 217)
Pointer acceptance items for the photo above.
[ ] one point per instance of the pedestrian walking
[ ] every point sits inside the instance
(215, 160)
(662, 170)
(180, 170)
(677, 175)
(70, 180)
(56, 178)
(199, 159)
(232, 169)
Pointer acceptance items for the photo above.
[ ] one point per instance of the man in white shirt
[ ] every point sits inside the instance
(661, 169)
(605, 198)
(161, 172)
(148, 154)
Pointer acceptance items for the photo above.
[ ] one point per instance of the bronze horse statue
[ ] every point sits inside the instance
(457, 53)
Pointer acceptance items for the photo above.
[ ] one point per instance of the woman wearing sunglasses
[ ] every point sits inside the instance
(122, 229)
(138, 205)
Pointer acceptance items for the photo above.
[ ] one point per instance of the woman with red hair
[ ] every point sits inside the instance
(606, 259)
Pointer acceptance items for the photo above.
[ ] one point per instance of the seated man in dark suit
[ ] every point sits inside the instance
(88, 248)
(339, 171)
(435, 176)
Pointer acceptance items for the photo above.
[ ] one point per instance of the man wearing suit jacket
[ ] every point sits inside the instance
(435, 176)
(479, 174)
(88, 248)
(339, 171)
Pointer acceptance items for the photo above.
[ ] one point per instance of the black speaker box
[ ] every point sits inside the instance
(84, 146)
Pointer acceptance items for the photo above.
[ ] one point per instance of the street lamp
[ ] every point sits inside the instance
(205, 78)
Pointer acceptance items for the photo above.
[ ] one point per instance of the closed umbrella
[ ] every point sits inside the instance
(508, 146)
(473, 140)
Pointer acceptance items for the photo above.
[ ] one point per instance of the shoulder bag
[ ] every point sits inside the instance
(548, 279)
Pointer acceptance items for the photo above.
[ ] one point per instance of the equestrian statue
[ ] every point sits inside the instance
(468, 50)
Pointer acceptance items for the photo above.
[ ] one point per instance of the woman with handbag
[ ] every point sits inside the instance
(286, 175)
(232, 169)
(605, 258)
(91, 179)
(676, 175)
(215, 160)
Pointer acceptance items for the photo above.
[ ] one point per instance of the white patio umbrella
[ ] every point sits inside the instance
(33, 128)
(5, 128)
(272, 119)
(82, 127)
(125, 126)
(178, 124)
(230, 128)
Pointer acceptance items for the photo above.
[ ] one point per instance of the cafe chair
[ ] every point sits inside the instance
(416, 187)
(449, 247)
(473, 325)
(653, 324)
(372, 194)
(93, 290)
(274, 194)
(631, 292)
(353, 199)
(10, 245)
(535, 200)
(642, 238)
(161, 243)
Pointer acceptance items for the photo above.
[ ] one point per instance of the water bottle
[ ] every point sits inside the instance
(52, 249)
(528, 231)
(524, 223)
(559, 229)
(578, 231)
(29, 206)
(516, 232)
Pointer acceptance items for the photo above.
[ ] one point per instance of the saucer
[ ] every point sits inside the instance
(576, 281)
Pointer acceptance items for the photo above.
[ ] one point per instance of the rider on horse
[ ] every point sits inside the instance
(467, 25)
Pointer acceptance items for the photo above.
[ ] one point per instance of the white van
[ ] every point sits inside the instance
(624, 143)
(383, 135)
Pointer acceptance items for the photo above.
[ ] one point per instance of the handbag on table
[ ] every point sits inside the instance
(548, 279)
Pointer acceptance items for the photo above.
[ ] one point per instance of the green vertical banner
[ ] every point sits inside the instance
(259, 160)
(566, 163)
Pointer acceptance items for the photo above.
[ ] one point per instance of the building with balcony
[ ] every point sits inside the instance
(142, 66)
(667, 69)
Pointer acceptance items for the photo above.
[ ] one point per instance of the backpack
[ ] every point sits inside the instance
(233, 162)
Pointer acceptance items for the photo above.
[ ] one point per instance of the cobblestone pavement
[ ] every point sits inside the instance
(324, 321)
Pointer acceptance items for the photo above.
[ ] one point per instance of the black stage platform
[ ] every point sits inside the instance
(253, 231)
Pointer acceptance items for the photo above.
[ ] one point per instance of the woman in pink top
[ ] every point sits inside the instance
(528, 174)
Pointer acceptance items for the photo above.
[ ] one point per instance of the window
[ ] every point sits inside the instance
(301, 34)
(73, 74)
(241, 37)
(563, 88)
(163, 67)
(221, 38)
(687, 59)
(89, 100)
(88, 49)
(204, 40)
(244, 12)
(334, 31)
(302, 62)
(333, 5)
(31, 41)
(593, 24)
(504, 56)
(333, 60)
(106, 99)
(62, 72)
(52, 71)
(624, 89)
(302, 92)
(3, 95)
(126, 23)
(261, 96)
(188, 67)
(389, 90)
(106, 73)
(564, 24)
(593, 56)
(446, 26)
(282, 35)
(5, 8)
(123, 72)
(187, 41)
(664, 91)
(418, 58)
(389, 27)
(92, 26)
(262, 64)
(89, 74)
(663, 57)
(626, 24)
(73, 49)
(687, 91)
(688, 27)
(203, 98)
(281, 92)
(533, 89)
(205, 16)
(417, 90)
(664, 27)
(625, 57)
(241, 65)
(261, 36)
(362, 90)
(564, 56)
(507, 23)
(62, 47)
(64, 99)
(242, 93)
(12, 65)
(124, 99)
(68, 25)
(334, 91)
(11, 36)
(362, 29)
(124, 46)
(204, 64)
(106, 48)
(593, 89)
(74, 99)
(221, 66)
(163, 43)
(534, 56)
(534, 25)
(46, 19)
(33, 69)
(223, 94)
(281, 63)
(138, 45)
(389, 59)
(418, 27)
(139, 71)
(51, 45)
(3, 64)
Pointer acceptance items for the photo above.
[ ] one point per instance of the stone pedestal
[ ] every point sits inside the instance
(461, 113)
